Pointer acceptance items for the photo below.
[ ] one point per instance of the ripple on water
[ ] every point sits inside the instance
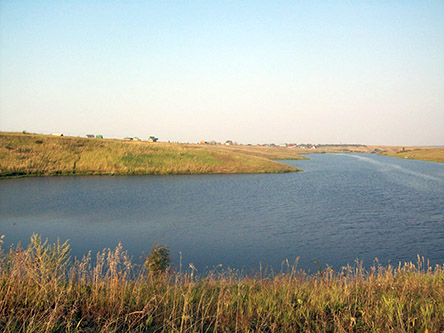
(341, 208)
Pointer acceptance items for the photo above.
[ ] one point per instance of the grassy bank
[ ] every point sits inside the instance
(424, 154)
(42, 291)
(36, 155)
(433, 154)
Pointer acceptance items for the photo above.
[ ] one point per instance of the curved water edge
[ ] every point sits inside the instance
(343, 207)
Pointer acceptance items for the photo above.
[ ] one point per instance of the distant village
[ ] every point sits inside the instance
(227, 143)
(282, 145)
(100, 136)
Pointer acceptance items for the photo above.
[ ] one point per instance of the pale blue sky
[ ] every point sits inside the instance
(367, 72)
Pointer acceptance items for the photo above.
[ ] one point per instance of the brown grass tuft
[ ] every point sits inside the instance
(42, 290)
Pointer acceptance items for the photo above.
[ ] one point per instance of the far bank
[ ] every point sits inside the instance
(45, 155)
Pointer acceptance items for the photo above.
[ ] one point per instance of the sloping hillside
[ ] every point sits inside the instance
(45, 155)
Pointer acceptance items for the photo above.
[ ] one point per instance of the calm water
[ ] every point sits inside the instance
(341, 208)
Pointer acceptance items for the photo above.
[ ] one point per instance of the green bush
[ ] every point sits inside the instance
(158, 260)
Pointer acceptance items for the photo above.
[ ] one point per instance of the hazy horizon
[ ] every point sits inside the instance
(252, 72)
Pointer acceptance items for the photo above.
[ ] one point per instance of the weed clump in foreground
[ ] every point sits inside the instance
(158, 260)
(41, 289)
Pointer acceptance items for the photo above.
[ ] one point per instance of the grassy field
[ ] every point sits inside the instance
(425, 154)
(41, 290)
(45, 155)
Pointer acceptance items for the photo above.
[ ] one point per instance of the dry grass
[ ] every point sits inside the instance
(425, 154)
(41, 290)
(34, 155)
(273, 153)
(341, 149)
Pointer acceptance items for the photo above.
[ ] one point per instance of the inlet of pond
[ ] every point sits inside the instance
(343, 207)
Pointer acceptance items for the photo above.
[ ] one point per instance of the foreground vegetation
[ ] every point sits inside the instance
(45, 155)
(41, 290)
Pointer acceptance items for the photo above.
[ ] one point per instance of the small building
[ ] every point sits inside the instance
(229, 143)
(90, 135)
(57, 134)
(152, 139)
(99, 136)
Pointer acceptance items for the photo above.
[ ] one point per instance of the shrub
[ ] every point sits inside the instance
(158, 260)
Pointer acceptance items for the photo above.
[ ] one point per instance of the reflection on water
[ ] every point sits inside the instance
(341, 208)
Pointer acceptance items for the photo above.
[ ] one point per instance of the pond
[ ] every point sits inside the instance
(342, 207)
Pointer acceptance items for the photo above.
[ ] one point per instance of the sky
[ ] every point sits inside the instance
(367, 72)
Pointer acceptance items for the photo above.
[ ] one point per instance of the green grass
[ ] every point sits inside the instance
(44, 155)
(42, 290)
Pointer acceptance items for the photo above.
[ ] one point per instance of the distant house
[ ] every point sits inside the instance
(229, 143)
(90, 135)
(128, 138)
(57, 134)
(152, 139)
(99, 136)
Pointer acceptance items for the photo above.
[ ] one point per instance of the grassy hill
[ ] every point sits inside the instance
(46, 155)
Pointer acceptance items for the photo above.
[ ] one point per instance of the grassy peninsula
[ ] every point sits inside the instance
(46, 155)
(42, 290)
(423, 153)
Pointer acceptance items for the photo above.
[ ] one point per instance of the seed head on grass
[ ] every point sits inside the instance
(158, 260)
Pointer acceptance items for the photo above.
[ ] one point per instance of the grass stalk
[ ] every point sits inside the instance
(42, 289)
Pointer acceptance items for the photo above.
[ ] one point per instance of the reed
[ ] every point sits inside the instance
(42, 289)
(45, 155)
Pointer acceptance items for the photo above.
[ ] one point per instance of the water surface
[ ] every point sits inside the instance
(342, 207)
